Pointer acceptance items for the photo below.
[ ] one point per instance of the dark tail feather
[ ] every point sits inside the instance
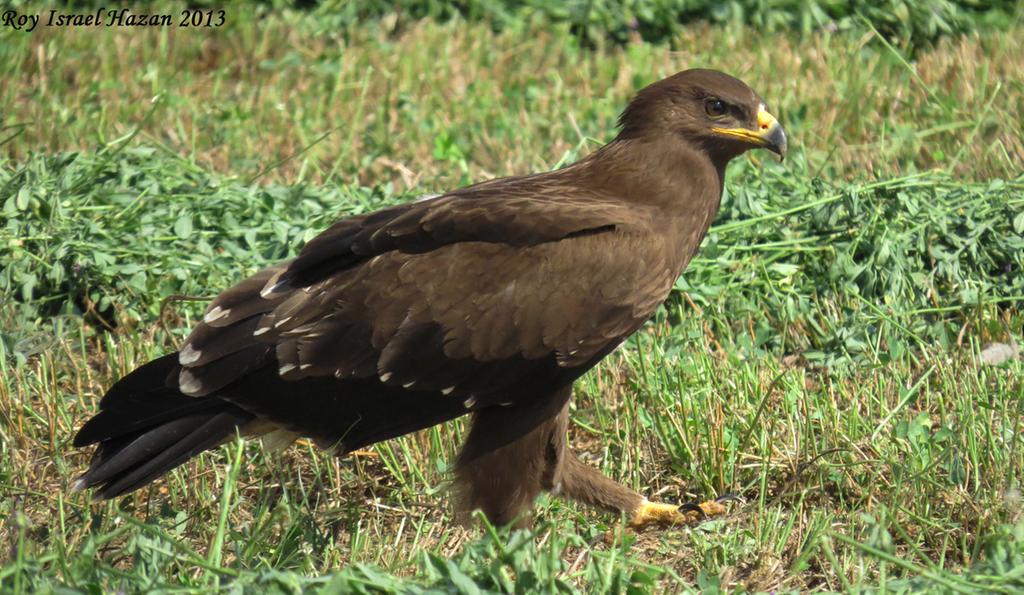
(146, 427)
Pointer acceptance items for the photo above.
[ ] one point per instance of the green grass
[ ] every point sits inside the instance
(601, 22)
(258, 97)
(818, 358)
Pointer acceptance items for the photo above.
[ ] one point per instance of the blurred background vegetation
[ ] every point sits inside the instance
(915, 22)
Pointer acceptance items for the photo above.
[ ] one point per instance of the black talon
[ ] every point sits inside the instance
(694, 507)
(730, 497)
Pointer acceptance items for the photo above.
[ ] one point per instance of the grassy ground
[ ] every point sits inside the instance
(820, 357)
(241, 99)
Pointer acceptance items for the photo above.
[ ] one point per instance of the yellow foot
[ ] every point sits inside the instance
(657, 513)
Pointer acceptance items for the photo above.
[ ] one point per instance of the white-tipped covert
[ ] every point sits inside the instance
(215, 314)
(188, 355)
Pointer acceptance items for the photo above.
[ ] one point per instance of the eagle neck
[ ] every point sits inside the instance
(682, 184)
(675, 178)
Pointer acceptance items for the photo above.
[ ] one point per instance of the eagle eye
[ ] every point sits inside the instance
(715, 107)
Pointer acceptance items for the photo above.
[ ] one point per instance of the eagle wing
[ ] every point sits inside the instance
(407, 317)
(484, 298)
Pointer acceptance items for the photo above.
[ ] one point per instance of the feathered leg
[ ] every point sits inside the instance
(510, 455)
(504, 481)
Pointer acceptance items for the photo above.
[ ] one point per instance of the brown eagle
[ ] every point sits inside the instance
(487, 301)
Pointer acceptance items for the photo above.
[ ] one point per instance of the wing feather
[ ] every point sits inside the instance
(483, 299)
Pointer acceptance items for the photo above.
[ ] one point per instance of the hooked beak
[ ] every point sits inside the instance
(768, 135)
